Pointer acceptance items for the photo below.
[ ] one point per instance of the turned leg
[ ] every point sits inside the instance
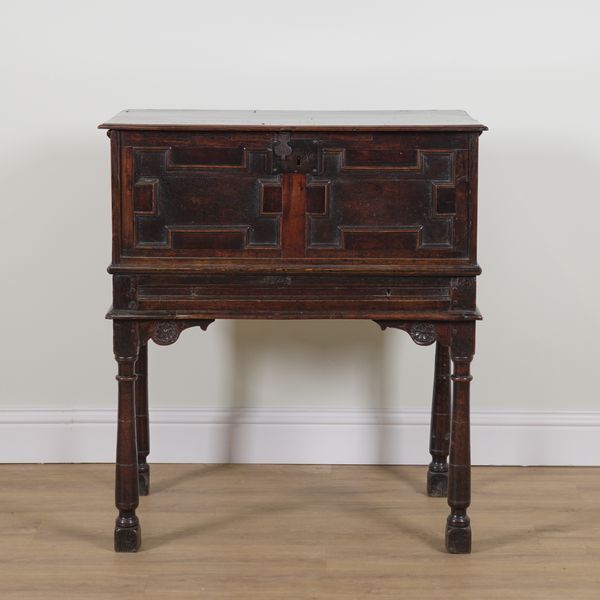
(439, 438)
(458, 528)
(127, 527)
(142, 422)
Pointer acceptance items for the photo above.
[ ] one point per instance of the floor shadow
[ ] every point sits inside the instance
(512, 536)
(152, 541)
(335, 497)
(415, 480)
(59, 523)
(159, 484)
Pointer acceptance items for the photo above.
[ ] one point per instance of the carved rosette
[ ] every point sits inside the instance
(165, 332)
(423, 334)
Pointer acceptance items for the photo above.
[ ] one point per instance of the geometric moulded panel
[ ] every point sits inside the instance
(190, 208)
(387, 212)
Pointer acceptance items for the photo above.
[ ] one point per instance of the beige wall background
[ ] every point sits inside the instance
(530, 70)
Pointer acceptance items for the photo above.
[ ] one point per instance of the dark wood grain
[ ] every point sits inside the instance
(141, 420)
(277, 215)
(439, 437)
(386, 201)
(458, 530)
(127, 533)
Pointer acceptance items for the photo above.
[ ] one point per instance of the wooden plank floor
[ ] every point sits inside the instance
(298, 532)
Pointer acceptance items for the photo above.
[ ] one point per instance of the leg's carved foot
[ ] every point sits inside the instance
(127, 528)
(144, 479)
(458, 530)
(437, 480)
(128, 534)
(458, 538)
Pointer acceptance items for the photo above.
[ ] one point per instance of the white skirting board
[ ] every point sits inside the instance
(299, 436)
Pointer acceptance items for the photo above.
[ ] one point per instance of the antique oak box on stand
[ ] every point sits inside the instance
(295, 215)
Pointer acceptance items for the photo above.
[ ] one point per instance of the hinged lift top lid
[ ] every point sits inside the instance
(372, 120)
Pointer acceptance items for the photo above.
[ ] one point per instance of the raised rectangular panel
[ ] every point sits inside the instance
(396, 204)
(202, 200)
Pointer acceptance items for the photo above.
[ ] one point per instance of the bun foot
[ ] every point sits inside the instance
(437, 484)
(128, 539)
(458, 539)
(144, 479)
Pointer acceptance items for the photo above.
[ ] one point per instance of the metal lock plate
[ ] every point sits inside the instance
(294, 156)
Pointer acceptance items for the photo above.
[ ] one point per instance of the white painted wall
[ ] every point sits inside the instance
(530, 70)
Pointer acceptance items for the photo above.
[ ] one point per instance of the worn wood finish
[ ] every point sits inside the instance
(127, 528)
(439, 437)
(141, 420)
(291, 120)
(275, 215)
(458, 529)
